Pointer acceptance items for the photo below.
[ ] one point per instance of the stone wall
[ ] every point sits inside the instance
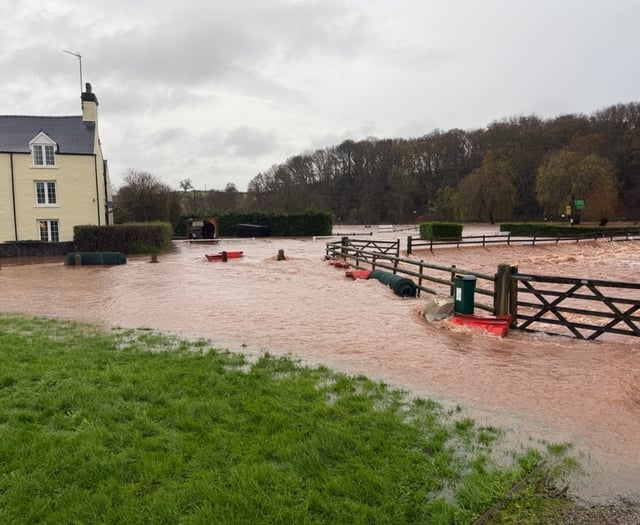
(35, 249)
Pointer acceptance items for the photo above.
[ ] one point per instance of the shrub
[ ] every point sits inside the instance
(541, 229)
(134, 238)
(440, 230)
(279, 224)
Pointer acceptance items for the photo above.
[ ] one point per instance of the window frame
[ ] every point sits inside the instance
(43, 152)
(46, 193)
(48, 230)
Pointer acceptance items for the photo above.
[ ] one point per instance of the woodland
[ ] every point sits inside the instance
(569, 167)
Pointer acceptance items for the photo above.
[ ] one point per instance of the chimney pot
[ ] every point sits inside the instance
(88, 87)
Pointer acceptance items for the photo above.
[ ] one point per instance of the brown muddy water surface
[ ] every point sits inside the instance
(538, 387)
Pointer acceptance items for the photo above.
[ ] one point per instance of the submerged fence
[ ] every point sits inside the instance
(508, 239)
(582, 308)
(429, 278)
(586, 308)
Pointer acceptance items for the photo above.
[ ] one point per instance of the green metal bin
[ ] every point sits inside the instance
(464, 287)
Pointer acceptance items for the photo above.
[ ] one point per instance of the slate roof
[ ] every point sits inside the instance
(72, 134)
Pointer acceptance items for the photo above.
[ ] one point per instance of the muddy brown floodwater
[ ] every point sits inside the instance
(538, 387)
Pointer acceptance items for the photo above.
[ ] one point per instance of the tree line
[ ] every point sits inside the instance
(520, 168)
(144, 198)
(524, 168)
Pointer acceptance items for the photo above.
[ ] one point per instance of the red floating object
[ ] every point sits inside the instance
(218, 256)
(340, 264)
(358, 274)
(494, 324)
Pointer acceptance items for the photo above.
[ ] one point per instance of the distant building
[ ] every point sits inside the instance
(52, 175)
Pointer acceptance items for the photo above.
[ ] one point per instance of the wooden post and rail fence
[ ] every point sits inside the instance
(582, 308)
(508, 239)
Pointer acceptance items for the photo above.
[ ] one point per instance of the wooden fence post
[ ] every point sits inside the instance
(408, 244)
(453, 277)
(502, 290)
(345, 244)
(513, 296)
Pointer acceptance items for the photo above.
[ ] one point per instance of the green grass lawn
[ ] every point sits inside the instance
(139, 427)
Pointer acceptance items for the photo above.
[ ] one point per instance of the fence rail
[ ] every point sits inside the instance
(582, 308)
(430, 278)
(587, 308)
(508, 239)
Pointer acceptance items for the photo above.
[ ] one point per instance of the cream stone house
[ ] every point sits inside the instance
(52, 175)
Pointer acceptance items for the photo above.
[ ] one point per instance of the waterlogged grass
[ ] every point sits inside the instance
(138, 427)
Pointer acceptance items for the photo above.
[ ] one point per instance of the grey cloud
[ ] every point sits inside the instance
(250, 143)
(208, 89)
(424, 59)
(209, 43)
(163, 55)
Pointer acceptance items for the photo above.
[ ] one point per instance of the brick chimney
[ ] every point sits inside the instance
(89, 104)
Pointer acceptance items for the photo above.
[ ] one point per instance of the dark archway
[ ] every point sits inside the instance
(208, 230)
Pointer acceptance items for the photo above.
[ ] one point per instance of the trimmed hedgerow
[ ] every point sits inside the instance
(440, 230)
(278, 224)
(134, 238)
(541, 229)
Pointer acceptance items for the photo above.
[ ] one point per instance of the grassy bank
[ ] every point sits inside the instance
(138, 427)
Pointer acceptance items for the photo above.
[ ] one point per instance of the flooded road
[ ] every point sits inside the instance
(541, 387)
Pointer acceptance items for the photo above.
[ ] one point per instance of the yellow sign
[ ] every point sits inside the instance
(568, 210)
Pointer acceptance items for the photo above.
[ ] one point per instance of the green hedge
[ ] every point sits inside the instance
(440, 230)
(134, 238)
(529, 229)
(541, 229)
(279, 224)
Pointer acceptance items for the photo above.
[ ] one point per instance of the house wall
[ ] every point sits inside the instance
(6, 206)
(90, 114)
(104, 190)
(82, 188)
(78, 199)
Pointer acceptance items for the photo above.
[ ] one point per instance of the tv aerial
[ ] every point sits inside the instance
(79, 57)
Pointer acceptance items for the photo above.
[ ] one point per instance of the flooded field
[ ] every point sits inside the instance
(538, 386)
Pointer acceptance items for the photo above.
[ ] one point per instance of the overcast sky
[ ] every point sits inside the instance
(219, 91)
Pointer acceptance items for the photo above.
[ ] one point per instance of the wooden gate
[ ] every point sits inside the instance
(587, 308)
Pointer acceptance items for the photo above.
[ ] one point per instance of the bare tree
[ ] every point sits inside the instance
(185, 185)
(143, 198)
